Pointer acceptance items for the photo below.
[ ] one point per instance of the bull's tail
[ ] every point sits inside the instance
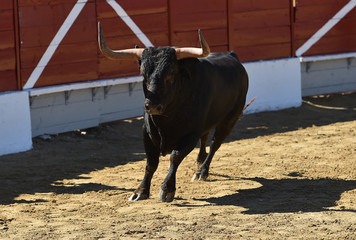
(249, 103)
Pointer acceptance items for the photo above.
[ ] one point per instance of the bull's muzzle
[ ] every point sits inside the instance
(153, 109)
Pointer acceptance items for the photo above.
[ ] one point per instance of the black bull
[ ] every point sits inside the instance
(184, 100)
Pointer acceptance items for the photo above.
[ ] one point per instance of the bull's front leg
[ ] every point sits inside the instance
(168, 188)
(152, 152)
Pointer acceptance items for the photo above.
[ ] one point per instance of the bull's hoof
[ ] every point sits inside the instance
(195, 176)
(199, 176)
(165, 196)
(138, 196)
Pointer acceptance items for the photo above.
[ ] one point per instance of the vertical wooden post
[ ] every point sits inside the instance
(170, 32)
(228, 24)
(17, 44)
(292, 26)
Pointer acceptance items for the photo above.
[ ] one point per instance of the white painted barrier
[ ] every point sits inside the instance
(15, 122)
(56, 109)
(276, 84)
(328, 74)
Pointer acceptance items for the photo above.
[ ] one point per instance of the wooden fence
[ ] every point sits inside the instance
(254, 29)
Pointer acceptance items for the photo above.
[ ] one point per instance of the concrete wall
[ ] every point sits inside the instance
(276, 84)
(84, 108)
(328, 75)
(15, 122)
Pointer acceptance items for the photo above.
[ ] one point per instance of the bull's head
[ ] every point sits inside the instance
(159, 67)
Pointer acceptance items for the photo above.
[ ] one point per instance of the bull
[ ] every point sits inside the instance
(188, 92)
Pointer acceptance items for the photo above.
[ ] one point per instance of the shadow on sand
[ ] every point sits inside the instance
(288, 195)
(69, 155)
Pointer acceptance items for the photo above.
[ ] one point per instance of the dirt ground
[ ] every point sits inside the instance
(289, 174)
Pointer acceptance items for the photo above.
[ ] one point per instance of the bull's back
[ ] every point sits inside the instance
(227, 83)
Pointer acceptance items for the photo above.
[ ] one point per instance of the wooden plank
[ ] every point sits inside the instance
(6, 19)
(132, 8)
(302, 3)
(147, 23)
(198, 6)
(214, 37)
(7, 59)
(222, 48)
(260, 29)
(129, 41)
(185, 16)
(261, 36)
(78, 46)
(43, 15)
(341, 38)
(331, 45)
(66, 53)
(8, 81)
(7, 39)
(261, 19)
(41, 36)
(6, 5)
(344, 27)
(52, 15)
(262, 52)
(196, 21)
(24, 3)
(73, 72)
(113, 69)
(321, 13)
(253, 5)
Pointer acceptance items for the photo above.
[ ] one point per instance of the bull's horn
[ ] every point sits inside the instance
(194, 52)
(126, 54)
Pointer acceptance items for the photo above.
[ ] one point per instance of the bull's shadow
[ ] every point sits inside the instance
(69, 156)
(315, 111)
(288, 195)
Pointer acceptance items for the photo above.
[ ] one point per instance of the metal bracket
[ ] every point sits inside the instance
(349, 61)
(32, 98)
(94, 91)
(308, 65)
(66, 96)
(106, 91)
(131, 88)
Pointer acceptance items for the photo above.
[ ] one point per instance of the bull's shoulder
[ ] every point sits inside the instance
(223, 56)
(217, 64)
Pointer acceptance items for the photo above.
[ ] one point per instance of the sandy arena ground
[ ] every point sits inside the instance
(289, 174)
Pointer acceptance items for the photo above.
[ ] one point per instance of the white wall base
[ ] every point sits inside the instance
(328, 74)
(84, 108)
(276, 84)
(15, 123)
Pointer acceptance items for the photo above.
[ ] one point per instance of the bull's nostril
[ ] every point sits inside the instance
(159, 108)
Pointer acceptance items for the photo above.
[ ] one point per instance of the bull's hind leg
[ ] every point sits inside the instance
(221, 132)
(202, 153)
